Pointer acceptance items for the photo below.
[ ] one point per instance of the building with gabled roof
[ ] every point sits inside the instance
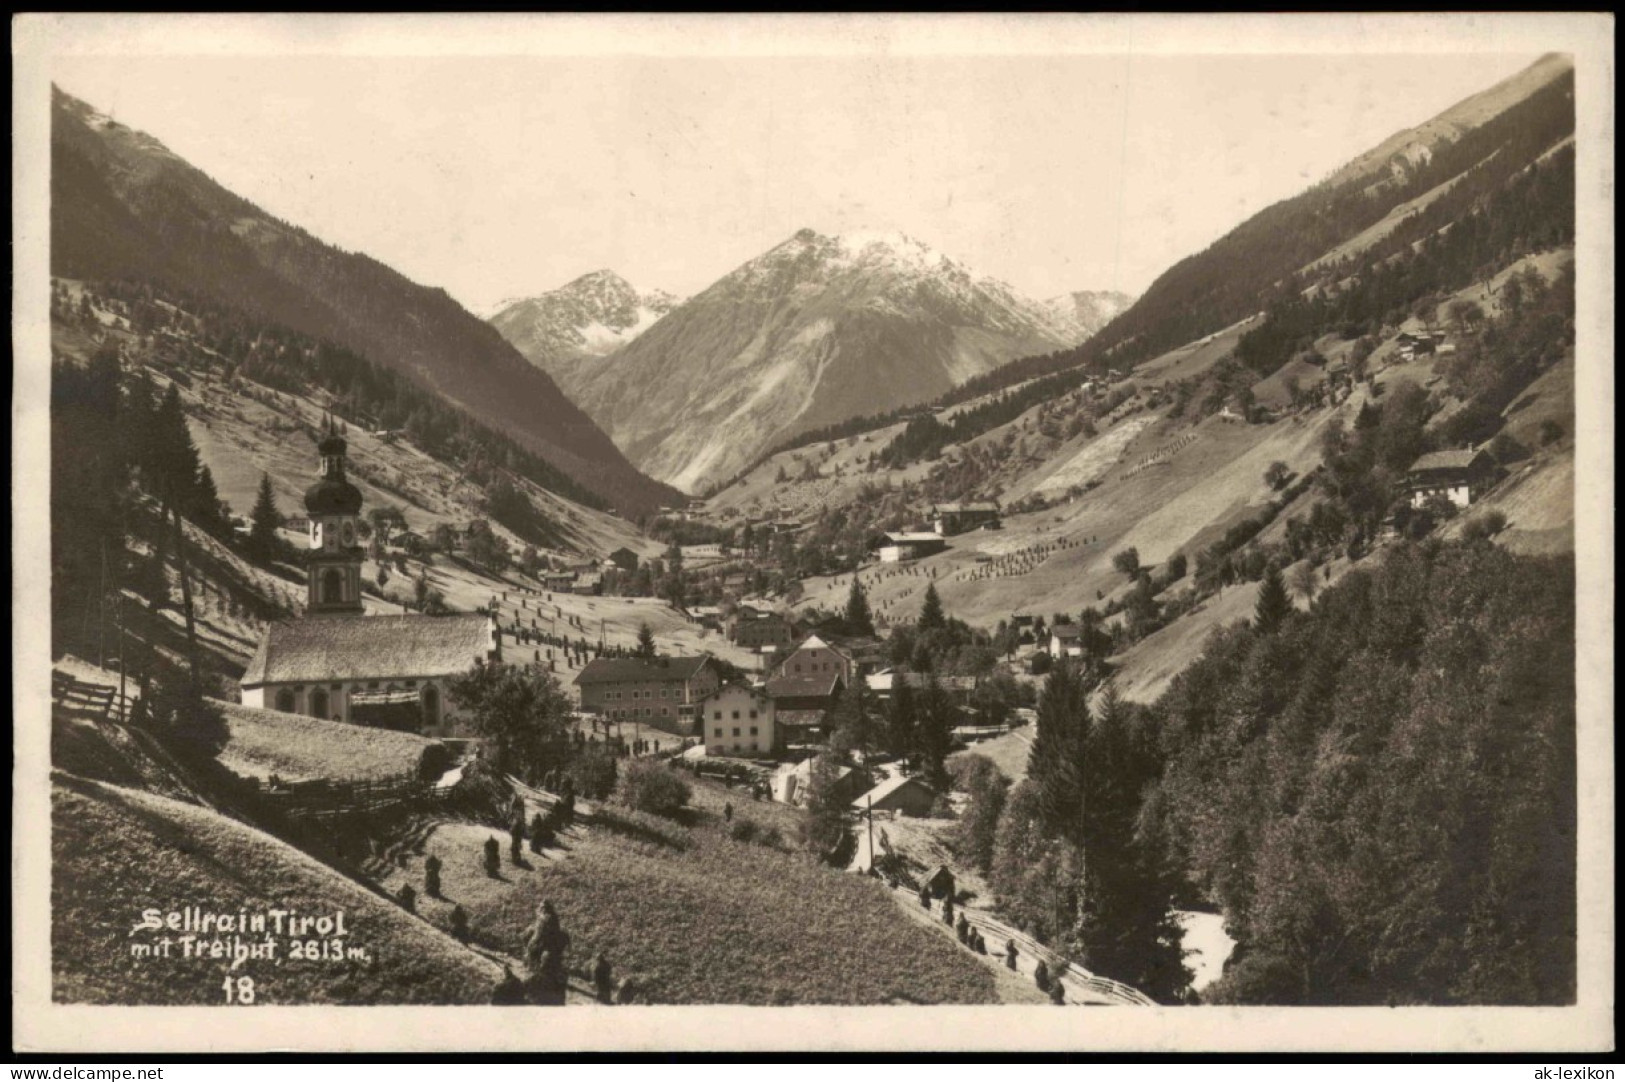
(1458, 476)
(1066, 640)
(802, 702)
(753, 628)
(900, 794)
(898, 547)
(815, 654)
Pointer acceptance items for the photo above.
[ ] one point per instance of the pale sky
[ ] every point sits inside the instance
(496, 177)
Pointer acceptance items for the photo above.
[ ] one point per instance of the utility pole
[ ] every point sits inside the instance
(123, 664)
(869, 802)
(101, 613)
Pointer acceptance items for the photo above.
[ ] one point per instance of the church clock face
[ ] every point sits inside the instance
(349, 533)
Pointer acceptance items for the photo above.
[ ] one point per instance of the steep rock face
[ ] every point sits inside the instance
(1091, 309)
(565, 330)
(125, 207)
(816, 330)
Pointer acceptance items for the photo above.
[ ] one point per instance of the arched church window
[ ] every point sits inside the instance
(284, 701)
(318, 703)
(332, 585)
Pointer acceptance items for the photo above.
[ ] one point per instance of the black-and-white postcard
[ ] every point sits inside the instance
(828, 533)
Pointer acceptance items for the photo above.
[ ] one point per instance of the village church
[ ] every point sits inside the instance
(337, 662)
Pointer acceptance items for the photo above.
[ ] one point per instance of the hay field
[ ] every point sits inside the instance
(116, 852)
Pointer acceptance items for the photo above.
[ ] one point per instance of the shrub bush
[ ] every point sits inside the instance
(593, 772)
(647, 786)
(1484, 526)
(643, 826)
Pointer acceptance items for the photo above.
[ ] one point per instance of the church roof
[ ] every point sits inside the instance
(318, 649)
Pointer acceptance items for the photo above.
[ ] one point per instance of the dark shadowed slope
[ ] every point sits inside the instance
(125, 207)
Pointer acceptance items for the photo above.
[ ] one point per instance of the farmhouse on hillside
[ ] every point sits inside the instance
(899, 547)
(1458, 476)
(624, 558)
(754, 629)
(957, 518)
(664, 692)
(737, 720)
(1066, 640)
(339, 664)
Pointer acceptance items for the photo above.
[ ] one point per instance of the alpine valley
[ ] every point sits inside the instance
(1211, 645)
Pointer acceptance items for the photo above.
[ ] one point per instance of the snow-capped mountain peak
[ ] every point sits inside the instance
(812, 331)
(585, 318)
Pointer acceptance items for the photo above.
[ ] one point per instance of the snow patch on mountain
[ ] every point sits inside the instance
(1089, 310)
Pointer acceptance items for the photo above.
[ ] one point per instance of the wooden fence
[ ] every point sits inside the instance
(997, 933)
(98, 701)
(330, 802)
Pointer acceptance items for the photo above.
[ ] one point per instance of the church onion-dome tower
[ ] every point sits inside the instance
(334, 507)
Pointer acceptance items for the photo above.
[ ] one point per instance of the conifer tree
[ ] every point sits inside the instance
(646, 643)
(858, 619)
(931, 614)
(264, 520)
(934, 733)
(900, 721)
(1054, 765)
(851, 725)
(1126, 926)
(1273, 604)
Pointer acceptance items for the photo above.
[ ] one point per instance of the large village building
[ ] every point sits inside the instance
(338, 663)
(738, 720)
(665, 692)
